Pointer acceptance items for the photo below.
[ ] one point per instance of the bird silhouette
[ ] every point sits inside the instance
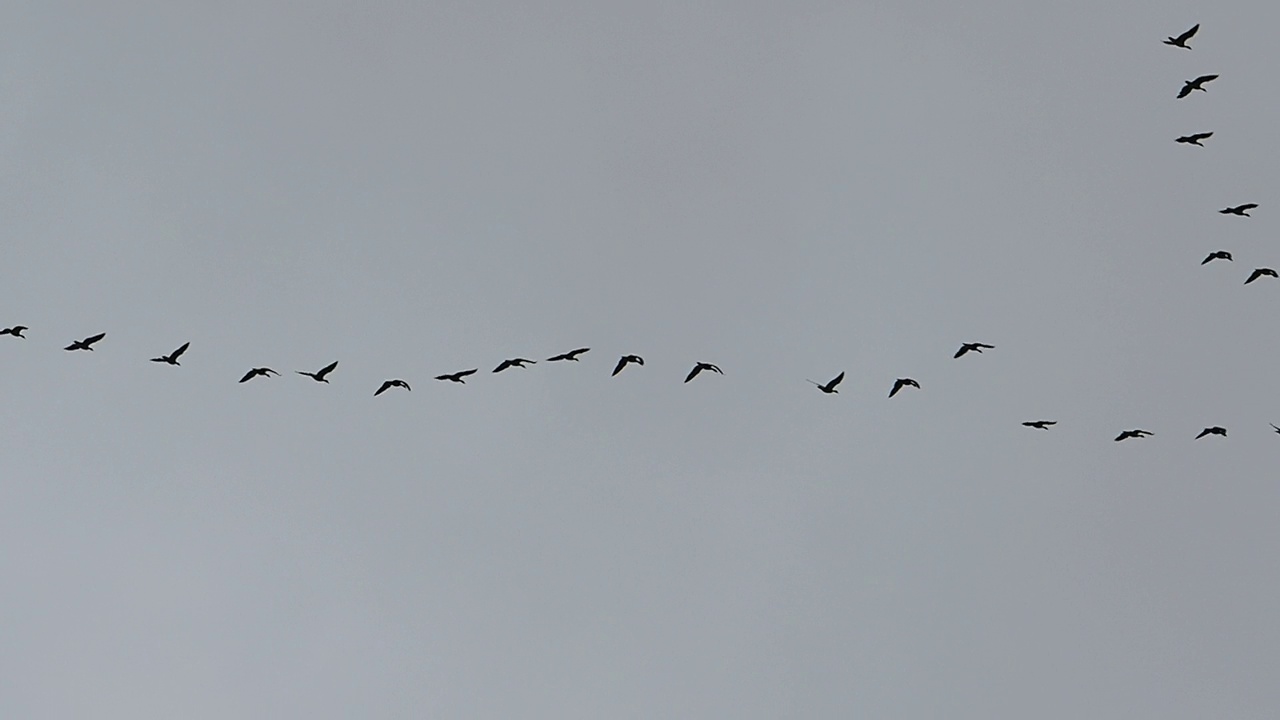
(1259, 273)
(458, 376)
(263, 371)
(1242, 210)
(830, 387)
(1181, 40)
(514, 362)
(1273, 425)
(1219, 255)
(1040, 424)
(1194, 139)
(388, 384)
(172, 358)
(319, 376)
(976, 347)
(15, 331)
(1132, 434)
(700, 367)
(1197, 84)
(571, 355)
(625, 360)
(901, 383)
(1215, 430)
(85, 344)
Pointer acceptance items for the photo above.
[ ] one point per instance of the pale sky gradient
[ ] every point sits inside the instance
(786, 190)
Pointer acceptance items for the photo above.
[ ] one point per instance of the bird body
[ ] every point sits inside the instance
(172, 358)
(975, 347)
(457, 377)
(15, 331)
(901, 383)
(255, 372)
(1215, 430)
(388, 384)
(626, 360)
(1241, 210)
(1197, 84)
(1219, 255)
(830, 387)
(514, 362)
(1133, 434)
(571, 355)
(1040, 424)
(1194, 139)
(319, 375)
(1181, 40)
(700, 367)
(1259, 272)
(85, 344)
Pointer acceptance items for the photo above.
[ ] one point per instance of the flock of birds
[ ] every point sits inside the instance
(829, 387)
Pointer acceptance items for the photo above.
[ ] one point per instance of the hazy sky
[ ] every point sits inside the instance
(788, 190)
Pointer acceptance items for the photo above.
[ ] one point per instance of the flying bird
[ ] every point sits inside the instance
(1219, 255)
(85, 344)
(976, 347)
(514, 362)
(1040, 424)
(1242, 210)
(458, 376)
(1181, 40)
(388, 384)
(1194, 139)
(700, 367)
(1259, 273)
(320, 375)
(1133, 434)
(1215, 430)
(1197, 84)
(901, 383)
(830, 387)
(15, 331)
(172, 358)
(624, 360)
(571, 355)
(263, 371)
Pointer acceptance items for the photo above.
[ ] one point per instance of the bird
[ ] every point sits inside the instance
(1241, 210)
(15, 331)
(514, 362)
(1181, 40)
(901, 383)
(830, 387)
(571, 355)
(388, 384)
(1219, 255)
(700, 367)
(1197, 84)
(172, 358)
(1040, 424)
(624, 360)
(458, 376)
(263, 371)
(1215, 430)
(1259, 273)
(1194, 139)
(320, 375)
(85, 344)
(1132, 434)
(976, 347)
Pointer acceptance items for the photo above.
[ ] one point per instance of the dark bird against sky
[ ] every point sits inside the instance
(699, 368)
(319, 376)
(387, 385)
(1194, 139)
(1242, 210)
(263, 371)
(1259, 273)
(172, 358)
(901, 383)
(571, 355)
(1219, 255)
(1040, 424)
(830, 387)
(1133, 434)
(1181, 40)
(514, 362)
(457, 377)
(1197, 84)
(975, 347)
(15, 331)
(1215, 430)
(626, 360)
(85, 344)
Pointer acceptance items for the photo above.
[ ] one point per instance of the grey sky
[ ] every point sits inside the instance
(786, 191)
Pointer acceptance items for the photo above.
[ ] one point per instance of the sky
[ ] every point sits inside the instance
(786, 190)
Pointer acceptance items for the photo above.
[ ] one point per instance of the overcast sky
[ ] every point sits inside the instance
(788, 190)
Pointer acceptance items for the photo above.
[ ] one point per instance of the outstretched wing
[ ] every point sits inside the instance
(178, 353)
(963, 349)
(622, 362)
(94, 338)
(1188, 34)
(249, 375)
(327, 369)
(386, 384)
(835, 380)
(1204, 79)
(694, 372)
(1186, 90)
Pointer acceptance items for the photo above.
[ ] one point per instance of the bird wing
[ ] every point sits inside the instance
(637, 359)
(622, 362)
(836, 380)
(327, 369)
(963, 349)
(383, 389)
(1205, 79)
(1203, 433)
(94, 338)
(1211, 256)
(465, 373)
(444, 377)
(562, 356)
(1202, 136)
(178, 353)
(579, 351)
(249, 375)
(1188, 34)
(1186, 89)
(694, 372)
(503, 366)
(1247, 206)
(897, 385)
(1256, 274)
